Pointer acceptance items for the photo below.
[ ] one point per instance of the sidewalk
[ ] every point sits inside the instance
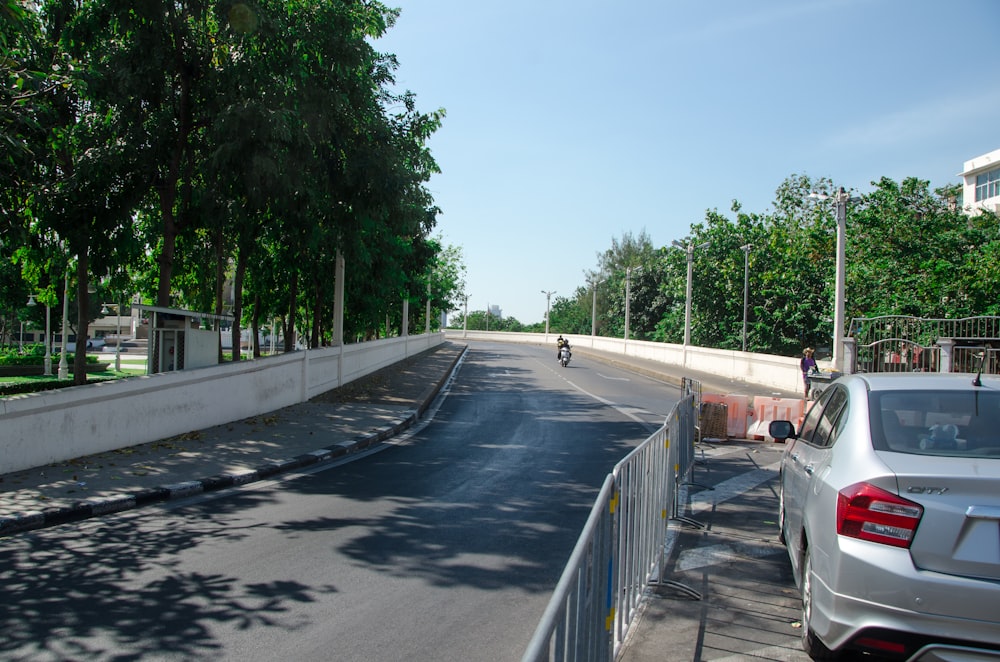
(747, 606)
(340, 422)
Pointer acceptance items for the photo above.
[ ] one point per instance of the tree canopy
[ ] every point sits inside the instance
(909, 251)
(182, 148)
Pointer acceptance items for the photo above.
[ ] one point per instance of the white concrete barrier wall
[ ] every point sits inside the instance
(779, 372)
(41, 428)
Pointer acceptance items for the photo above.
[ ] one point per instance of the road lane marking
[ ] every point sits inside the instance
(629, 412)
(626, 411)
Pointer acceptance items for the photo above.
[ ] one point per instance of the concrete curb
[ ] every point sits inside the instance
(88, 508)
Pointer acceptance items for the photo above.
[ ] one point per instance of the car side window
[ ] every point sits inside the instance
(812, 419)
(827, 427)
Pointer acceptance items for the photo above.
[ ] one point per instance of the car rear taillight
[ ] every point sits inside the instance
(870, 513)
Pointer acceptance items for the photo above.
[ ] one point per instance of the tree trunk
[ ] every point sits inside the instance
(241, 270)
(293, 295)
(220, 280)
(317, 313)
(166, 258)
(255, 324)
(82, 316)
(167, 185)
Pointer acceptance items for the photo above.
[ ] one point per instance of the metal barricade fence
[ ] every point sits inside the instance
(621, 549)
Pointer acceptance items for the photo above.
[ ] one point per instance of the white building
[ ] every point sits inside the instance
(981, 188)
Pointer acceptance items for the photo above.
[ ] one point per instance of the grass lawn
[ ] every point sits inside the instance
(91, 376)
(131, 366)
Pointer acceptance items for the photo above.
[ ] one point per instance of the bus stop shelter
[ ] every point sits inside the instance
(177, 341)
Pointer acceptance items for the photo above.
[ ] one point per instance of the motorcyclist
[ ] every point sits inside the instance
(560, 343)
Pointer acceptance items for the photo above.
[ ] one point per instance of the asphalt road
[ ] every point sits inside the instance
(444, 544)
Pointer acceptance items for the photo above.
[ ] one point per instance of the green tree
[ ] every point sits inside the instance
(795, 296)
(633, 258)
(567, 316)
(74, 203)
(911, 252)
(718, 280)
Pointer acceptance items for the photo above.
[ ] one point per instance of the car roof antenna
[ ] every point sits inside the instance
(982, 361)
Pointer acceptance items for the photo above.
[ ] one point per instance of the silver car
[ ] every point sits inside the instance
(890, 511)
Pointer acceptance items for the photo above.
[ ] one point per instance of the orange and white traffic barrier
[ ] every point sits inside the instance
(768, 409)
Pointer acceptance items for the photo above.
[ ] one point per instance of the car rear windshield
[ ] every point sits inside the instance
(949, 423)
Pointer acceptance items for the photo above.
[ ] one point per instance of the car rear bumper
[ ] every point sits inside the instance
(954, 654)
(877, 587)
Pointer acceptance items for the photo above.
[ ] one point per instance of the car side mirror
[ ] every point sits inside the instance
(781, 430)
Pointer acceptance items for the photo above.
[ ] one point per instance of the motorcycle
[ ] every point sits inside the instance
(564, 356)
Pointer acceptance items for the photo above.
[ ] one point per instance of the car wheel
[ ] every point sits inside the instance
(811, 644)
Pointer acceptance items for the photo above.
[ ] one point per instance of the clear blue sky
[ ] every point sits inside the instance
(572, 122)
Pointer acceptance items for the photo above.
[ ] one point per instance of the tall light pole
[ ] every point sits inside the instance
(48, 334)
(465, 318)
(118, 338)
(593, 312)
(841, 198)
(427, 321)
(690, 248)
(63, 366)
(628, 295)
(548, 298)
(118, 333)
(746, 288)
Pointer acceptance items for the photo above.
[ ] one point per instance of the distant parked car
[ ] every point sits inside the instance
(92, 344)
(890, 512)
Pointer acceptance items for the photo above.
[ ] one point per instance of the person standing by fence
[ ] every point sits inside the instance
(808, 365)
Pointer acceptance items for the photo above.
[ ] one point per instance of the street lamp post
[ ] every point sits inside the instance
(48, 334)
(63, 365)
(746, 288)
(118, 339)
(841, 198)
(689, 248)
(118, 333)
(465, 318)
(427, 322)
(593, 311)
(628, 296)
(548, 298)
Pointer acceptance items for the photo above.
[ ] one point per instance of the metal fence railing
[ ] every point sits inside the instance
(895, 343)
(922, 331)
(621, 550)
(895, 355)
(974, 359)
